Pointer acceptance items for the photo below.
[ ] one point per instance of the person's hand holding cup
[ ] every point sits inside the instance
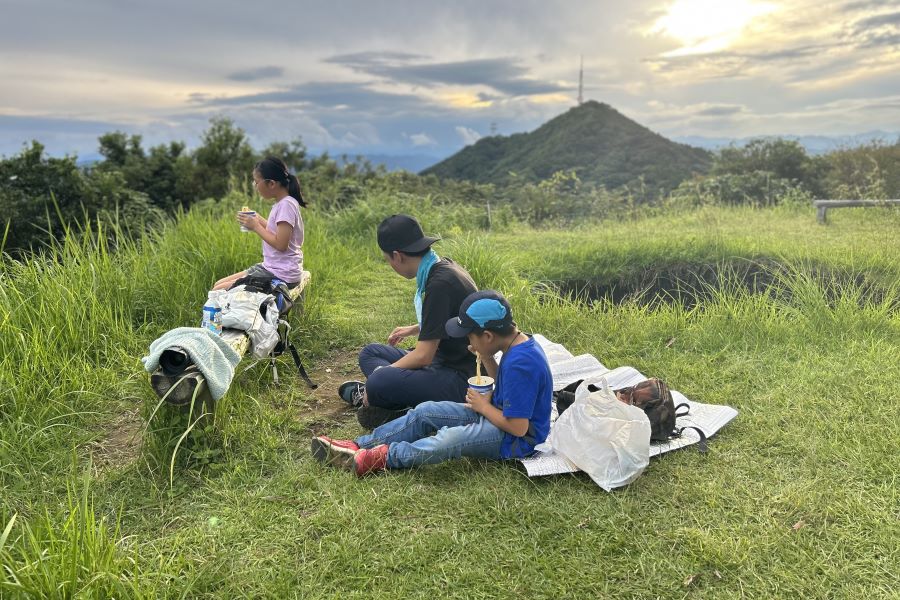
(481, 387)
(480, 392)
(247, 219)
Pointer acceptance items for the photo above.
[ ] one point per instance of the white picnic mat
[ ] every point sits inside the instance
(567, 368)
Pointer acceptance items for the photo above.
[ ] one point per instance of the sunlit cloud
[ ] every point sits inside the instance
(703, 26)
(430, 78)
(552, 99)
(465, 100)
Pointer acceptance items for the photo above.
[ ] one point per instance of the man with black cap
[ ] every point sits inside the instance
(439, 366)
(504, 423)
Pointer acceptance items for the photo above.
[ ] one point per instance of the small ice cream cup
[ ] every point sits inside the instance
(486, 385)
(250, 213)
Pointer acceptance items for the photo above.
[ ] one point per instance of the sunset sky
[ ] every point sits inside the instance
(429, 77)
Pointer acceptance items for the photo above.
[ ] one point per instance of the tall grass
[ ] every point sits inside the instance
(797, 498)
(74, 555)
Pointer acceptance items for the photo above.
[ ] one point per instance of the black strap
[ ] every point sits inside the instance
(300, 367)
(685, 413)
(702, 446)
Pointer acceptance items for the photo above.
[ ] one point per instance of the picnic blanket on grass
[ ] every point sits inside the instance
(567, 368)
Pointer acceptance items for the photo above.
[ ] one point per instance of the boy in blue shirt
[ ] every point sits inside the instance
(506, 423)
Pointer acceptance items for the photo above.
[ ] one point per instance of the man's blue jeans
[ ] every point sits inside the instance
(433, 432)
(398, 389)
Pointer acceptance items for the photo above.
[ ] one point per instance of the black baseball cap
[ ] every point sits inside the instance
(486, 309)
(403, 233)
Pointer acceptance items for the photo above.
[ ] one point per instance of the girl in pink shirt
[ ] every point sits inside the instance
(282, 232)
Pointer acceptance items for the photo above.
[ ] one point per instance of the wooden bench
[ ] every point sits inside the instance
(823, 205)
(188, 385)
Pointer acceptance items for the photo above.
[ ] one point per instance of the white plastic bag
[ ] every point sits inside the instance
(607, 439)
(241, 310)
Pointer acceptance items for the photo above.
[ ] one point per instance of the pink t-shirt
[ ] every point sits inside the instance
(287, 265)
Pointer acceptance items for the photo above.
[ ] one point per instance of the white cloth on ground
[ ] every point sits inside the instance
(212, 355)
(567, 368)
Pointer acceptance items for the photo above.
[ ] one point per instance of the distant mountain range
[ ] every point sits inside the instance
(428, 163)
(596, 141)
(400, 162)
(814, 144)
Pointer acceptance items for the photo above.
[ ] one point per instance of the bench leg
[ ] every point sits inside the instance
(820, 214)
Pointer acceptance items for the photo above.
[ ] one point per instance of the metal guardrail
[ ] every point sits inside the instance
(822, 206)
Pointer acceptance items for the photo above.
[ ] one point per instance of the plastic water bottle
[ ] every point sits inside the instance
(212, 317)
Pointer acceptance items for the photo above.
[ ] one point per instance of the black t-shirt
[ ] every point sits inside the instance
(447, 286)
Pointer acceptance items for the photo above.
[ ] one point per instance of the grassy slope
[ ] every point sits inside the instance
(798, 496)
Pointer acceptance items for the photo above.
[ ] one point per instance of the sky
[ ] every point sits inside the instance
(429, 77)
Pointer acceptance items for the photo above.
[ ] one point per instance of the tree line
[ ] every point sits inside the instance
(137, 188)
(133, 186)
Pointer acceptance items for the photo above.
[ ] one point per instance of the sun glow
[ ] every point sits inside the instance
(459, 99)
(707, 25)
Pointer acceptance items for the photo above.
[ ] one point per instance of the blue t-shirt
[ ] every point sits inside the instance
(523, 390)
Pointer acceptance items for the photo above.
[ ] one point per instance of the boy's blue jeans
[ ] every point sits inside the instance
(433, 432)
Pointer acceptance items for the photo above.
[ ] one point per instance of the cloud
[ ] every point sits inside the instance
(855, 7)
(878, 21)
(258, 73)
(877, 31)
(422, 139)
(368, 76)
(373, 58)
(468, 136)
(844, 43)
(58, 135)
(721, 110)
(850, 116)
(324, 94)
(506, 75)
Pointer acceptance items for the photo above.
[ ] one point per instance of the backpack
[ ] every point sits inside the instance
(652, 396)
(274, 286)
(655, 399)
(280, 290)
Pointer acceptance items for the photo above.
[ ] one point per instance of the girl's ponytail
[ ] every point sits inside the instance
(293, 189)
(274, 168)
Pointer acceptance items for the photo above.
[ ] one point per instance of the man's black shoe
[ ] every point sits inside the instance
(352, 392)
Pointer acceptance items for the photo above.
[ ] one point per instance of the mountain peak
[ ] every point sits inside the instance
(599, 143)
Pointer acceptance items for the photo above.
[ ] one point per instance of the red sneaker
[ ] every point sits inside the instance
(325, 449)
(371, 460)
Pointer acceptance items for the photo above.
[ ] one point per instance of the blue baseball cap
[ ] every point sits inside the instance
(486, 309)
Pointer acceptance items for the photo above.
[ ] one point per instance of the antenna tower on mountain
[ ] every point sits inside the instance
(581, 82)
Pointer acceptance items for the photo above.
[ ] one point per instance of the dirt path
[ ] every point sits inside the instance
(120, 443)
(327, 410)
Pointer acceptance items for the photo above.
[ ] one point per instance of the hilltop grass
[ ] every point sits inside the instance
(797, 497)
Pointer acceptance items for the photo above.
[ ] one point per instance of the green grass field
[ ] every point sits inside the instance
(798, 497)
